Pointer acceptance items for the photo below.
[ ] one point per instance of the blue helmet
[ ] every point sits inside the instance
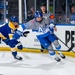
(14, 19)
(38, 14)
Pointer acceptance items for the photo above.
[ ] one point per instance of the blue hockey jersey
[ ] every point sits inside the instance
(7, 30)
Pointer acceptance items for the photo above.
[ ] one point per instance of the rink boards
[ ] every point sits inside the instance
(66, 33)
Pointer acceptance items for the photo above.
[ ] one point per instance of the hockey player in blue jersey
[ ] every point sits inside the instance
(46, 36)
(7, 32)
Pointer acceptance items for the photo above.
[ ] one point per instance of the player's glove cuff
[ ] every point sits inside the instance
(51, 25)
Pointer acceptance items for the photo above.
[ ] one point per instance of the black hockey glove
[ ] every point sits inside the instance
(26, 33)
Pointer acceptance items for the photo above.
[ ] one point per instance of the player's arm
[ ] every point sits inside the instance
(20, 32)
(12, 41)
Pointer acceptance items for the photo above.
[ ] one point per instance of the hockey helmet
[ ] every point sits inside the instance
(14, 19)
(38, 14)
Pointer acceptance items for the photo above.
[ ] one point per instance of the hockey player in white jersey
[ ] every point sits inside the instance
(46, 36)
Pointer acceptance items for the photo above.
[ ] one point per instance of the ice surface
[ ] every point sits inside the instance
(35, 64)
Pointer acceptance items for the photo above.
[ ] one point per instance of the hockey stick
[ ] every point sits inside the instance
(46, 49)
(70, 48)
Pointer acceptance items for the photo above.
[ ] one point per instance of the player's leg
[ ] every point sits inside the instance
(58, 47)
(54, 40)
(14, 53)
(52, 53)
(43, 41)
(13, 44)
(42, 48)
(47, 44)
(13, 49)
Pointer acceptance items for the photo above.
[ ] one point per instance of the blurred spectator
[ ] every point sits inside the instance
(29, 17)
(44, 11)
(32, 10)
(60, 18)
(46, 14)
(72, 17)
(30, 14)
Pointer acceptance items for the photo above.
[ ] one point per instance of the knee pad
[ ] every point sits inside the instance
(19, 46)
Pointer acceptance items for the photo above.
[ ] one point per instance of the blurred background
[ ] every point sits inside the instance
(23, 8)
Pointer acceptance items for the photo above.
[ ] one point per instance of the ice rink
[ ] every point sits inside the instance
(35, 64)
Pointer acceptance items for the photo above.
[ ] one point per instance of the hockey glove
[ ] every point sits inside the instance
(26, 33)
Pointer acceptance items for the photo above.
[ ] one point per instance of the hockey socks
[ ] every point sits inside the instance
(15, 56)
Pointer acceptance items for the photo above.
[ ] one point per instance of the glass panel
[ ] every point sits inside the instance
(51, 6)
(60, 11)
(38, 2)
(14, 5)
(63, 12)
(1, 11)
(71, 14)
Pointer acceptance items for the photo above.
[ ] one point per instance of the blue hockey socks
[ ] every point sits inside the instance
(15, 56)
